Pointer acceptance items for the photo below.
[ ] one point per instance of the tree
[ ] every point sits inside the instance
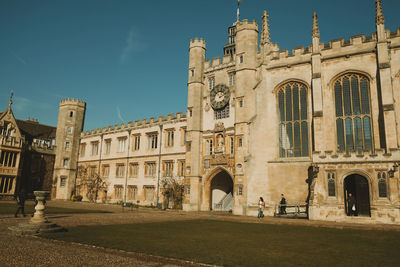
(90, 181)
(172, 189)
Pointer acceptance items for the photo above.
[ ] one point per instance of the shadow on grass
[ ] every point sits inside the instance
(10, 208)
(244, 244)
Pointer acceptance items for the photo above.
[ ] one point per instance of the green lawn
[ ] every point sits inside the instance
(245, 244)
(10, 208)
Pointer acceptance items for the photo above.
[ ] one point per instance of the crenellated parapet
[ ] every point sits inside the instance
(196, 42)
(216, 64)
(138, 124)
(359, 44)
(246, 25)
(73, 101)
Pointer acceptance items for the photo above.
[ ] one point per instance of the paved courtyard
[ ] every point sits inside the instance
(35, 251)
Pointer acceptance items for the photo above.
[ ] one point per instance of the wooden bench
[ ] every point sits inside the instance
(292, 210)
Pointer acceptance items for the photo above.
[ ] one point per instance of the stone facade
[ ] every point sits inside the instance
(316, 125)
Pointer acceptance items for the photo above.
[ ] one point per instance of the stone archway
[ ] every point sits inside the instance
(358, 186)
(221, 191)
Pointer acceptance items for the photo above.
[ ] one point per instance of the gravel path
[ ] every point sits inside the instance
(35, 251)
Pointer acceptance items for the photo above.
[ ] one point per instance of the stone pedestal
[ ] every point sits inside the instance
(39, 223)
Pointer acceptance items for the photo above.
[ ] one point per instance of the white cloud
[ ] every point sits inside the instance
(20, 59)
(132, 44)
(119, 114)
(22, 104)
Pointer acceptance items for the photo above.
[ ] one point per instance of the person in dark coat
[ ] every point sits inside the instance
(352, 205)
(21, 204)
(283, 204)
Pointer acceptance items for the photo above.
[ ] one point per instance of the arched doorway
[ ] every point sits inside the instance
(358, 186)
(221, 192)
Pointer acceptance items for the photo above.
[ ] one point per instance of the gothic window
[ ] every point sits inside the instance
(293, 126)
(211, 83)
(382, 187)
(331, 184)
(222, 113)
(353, 115)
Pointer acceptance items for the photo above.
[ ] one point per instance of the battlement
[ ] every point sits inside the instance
(137, 124)
(216, 64)
(354, 41)
(196, 42)
(246, 25)
(73, 101)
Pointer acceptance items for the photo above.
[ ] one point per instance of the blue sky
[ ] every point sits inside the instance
(128, 59)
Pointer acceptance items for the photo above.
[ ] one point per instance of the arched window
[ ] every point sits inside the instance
(382, 185)
(353, 113)
(331, 185)
(293, 125)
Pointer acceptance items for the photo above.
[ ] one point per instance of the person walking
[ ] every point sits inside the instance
(282, 204)
(21, 204)
(352, 205)
(261, 206)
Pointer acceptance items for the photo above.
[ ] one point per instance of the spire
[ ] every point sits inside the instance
(10, 101)
(380, 19)
(315, 29)
(265, 35)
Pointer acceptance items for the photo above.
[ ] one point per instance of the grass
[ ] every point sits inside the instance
(245, 244)
(10, 208)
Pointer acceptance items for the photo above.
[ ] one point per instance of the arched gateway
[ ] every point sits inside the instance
(358, 186)
(221, 191)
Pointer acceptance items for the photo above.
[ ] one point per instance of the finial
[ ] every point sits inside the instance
(380, 19)
(238, 13)
(10, 101)
(265, 35)
(315, 29)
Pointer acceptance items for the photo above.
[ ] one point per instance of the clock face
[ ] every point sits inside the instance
(219, 96)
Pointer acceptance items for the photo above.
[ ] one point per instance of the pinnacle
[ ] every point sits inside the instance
(315, 30)
(380, 19)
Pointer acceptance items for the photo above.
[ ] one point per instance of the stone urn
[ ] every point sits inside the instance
(39, 215)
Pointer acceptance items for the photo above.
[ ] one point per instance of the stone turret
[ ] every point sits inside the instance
(71, 118)
(197, 56)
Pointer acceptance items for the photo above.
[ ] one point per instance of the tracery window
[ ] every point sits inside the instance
(353, 113)
(293, 126)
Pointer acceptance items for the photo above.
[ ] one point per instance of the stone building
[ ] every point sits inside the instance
(26, 155)
(315, 124)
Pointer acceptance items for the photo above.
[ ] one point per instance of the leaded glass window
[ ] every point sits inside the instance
(331, 184)
(382, 187)
(353, 117)
(293, 126)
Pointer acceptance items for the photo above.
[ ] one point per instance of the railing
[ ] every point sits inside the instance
(286, 210)
(226, 203)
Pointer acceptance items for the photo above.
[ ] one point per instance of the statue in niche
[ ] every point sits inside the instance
(221, 147)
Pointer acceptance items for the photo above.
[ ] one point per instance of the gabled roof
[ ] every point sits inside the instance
(35, 130)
